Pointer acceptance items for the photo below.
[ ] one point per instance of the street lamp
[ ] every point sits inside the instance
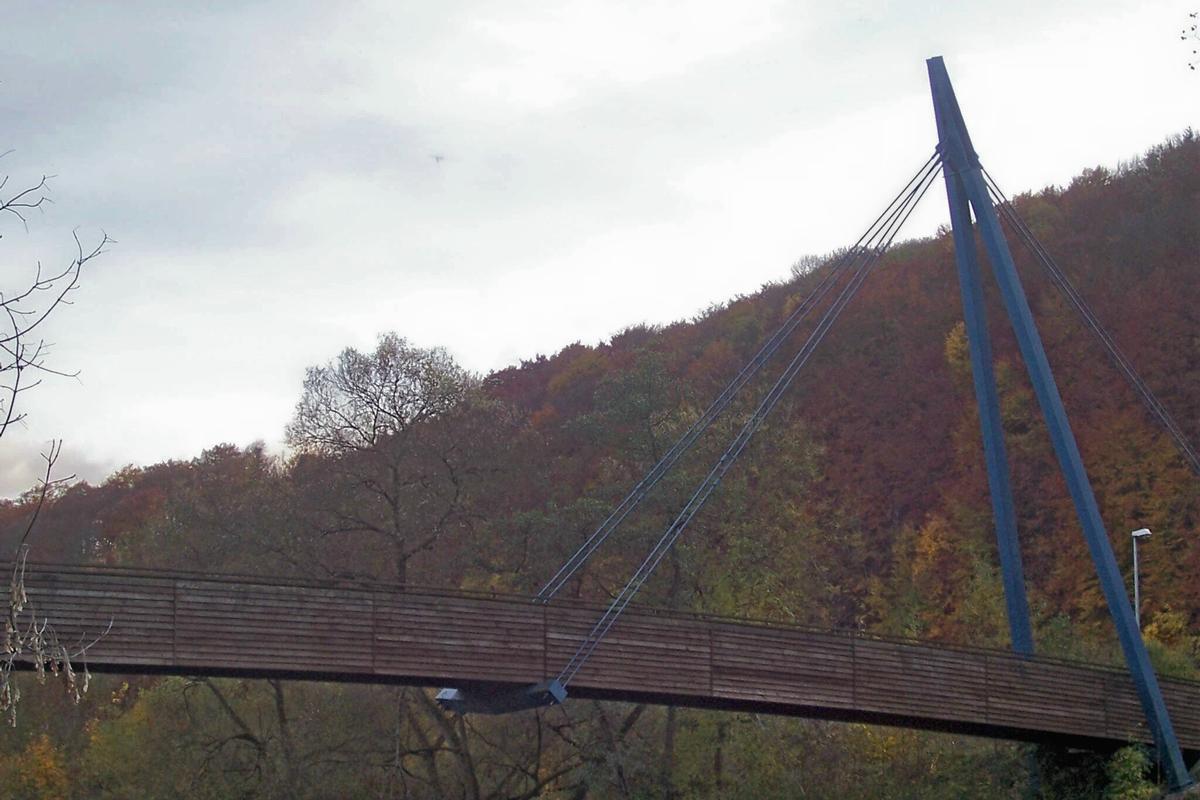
(1137, 593)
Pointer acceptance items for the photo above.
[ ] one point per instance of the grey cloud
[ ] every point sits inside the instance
(24, 466)
(267, 168)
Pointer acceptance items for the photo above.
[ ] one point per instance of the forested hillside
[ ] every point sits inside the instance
(861, 504)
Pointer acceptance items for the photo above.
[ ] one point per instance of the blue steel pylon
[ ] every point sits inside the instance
(965, 186)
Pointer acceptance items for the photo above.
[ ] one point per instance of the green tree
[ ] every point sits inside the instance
(1127, 770)
(38, 773)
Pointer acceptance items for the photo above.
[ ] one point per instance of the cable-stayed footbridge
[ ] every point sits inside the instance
(498, 655)
(175, 623)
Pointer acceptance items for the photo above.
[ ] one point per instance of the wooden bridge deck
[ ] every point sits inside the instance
(176, 623)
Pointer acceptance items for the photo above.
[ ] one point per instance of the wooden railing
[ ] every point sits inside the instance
(178, 623)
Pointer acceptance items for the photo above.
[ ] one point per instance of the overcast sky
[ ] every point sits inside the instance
(502, 179)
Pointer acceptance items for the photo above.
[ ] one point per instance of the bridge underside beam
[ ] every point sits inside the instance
(973, 728)
(499, 698)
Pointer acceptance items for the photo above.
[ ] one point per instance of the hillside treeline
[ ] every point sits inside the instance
(861, 504)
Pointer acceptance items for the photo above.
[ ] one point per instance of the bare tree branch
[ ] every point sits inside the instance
(28, 639)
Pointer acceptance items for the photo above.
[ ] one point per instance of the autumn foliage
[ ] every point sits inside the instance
(862, 503)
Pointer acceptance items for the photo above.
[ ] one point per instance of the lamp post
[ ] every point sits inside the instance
(1137, 592)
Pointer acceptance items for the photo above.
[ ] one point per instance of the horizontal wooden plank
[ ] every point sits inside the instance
(270, 626)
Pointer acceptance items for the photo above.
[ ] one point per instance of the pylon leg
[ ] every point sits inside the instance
(959, 157)
(995, 455)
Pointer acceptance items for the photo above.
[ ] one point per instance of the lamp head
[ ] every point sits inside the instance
(1140, 532)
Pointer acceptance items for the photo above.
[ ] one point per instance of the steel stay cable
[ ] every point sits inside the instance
(1092, 322)
(714, 477)
(873, 234)
(681, 446)
(1153, 404)
(701, 493)
(697, 500)
(715, 409)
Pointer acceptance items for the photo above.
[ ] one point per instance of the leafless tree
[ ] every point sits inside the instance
(385, 421)
(25, 308)
(29, 639)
